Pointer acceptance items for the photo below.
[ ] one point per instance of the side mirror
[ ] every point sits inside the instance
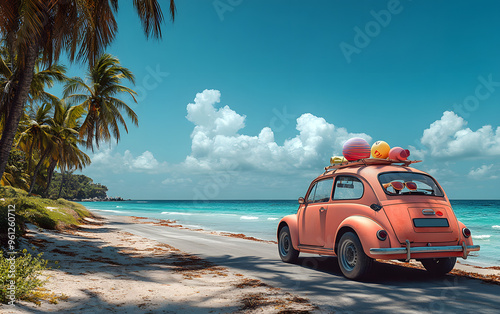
(301, 200)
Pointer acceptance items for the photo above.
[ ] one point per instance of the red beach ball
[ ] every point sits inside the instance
(356, 148)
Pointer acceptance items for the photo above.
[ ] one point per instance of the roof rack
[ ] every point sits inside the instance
(369, 162)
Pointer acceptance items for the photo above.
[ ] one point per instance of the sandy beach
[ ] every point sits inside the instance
(103, 268)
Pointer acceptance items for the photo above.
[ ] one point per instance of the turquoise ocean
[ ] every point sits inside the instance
(260, 218)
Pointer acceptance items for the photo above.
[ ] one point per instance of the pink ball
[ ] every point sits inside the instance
(356, 148)
(398, 153)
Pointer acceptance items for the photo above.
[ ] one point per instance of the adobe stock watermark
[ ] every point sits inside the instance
(11, 244)
(281, 119)
(485, 88)
(482, 92)
(218, 181)
(449, 293)
(222, 7)
(363, 36)
(150, 82)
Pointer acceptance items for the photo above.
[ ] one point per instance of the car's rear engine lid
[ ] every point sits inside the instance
(423, 222)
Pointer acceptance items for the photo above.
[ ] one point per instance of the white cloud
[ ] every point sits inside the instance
(146, 161)
(483, 172)
(450, 138)
(417, 154)
(217, 145)
(118, 163)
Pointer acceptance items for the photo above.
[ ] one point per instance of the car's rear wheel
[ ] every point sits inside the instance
(287, 252)
(353, 261)
(439, 266)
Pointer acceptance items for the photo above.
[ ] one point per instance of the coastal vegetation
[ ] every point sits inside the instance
(27, 277)
(45, 213)
(76, 187)
(40, 132)
(52, 130)
(35, 33)
(98, 99)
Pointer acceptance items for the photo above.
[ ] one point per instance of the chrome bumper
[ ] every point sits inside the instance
(408, 250)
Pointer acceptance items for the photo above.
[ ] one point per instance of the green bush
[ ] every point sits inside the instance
(76, 186)
(45, 213)
(6, 226)
(23, 274)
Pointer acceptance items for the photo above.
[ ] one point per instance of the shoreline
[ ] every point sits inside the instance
(173, 224)
(462, 268)
(114, 263)
(101, 268)
(234, 220)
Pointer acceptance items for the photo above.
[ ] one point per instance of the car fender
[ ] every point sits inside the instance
(291, 222)
(468, 241)
(366, 230)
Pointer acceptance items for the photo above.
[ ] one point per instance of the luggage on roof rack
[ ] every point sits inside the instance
(370, 162)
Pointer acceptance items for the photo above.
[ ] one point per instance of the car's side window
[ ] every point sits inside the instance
(348, 188)
(321, 191)
(310, 197)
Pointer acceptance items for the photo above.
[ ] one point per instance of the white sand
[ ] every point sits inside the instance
(106, 270)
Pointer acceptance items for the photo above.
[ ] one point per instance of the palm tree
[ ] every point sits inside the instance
(99, 99)
(83, 28)
(55, 139)
(35, 133)
(32, 131)
(43, 78)
(15, 174)
(65, 125)
(36, 137)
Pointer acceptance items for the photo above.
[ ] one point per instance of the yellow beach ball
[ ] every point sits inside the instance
(380, 149)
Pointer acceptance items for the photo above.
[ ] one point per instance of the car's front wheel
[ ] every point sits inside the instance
(353, 261)
(439, 266)
(287, 252)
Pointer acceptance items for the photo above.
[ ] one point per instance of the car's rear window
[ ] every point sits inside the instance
(407, 183)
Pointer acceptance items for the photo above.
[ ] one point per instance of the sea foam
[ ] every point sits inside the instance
(176, 213)
(496, 227)
(109, 210)
(481, 236)
(249, 218)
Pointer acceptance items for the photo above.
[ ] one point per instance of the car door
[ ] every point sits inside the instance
(312, 220)
(347, 190)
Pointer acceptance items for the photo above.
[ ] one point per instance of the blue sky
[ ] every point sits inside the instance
(280, 85)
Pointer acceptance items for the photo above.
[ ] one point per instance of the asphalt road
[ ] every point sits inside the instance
(391, 289)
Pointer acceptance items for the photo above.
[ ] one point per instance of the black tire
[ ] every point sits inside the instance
(286, 250)
(439, 266)
(353, 261)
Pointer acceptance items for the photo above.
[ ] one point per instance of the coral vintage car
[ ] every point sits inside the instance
(375, 209)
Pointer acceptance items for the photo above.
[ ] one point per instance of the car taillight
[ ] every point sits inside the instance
(382, 235)
(466, 232)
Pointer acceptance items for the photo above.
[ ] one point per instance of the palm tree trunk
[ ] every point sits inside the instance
(50, 174)
(30, 155)
(37, 169)
(62, 183)
(16, 105)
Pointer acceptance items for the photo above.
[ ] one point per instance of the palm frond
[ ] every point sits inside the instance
(151, 16)
(4, 69)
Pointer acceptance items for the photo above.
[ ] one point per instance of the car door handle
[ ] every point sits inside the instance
(322, 209)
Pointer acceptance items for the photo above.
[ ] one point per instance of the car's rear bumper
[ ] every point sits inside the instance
(408, 250)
